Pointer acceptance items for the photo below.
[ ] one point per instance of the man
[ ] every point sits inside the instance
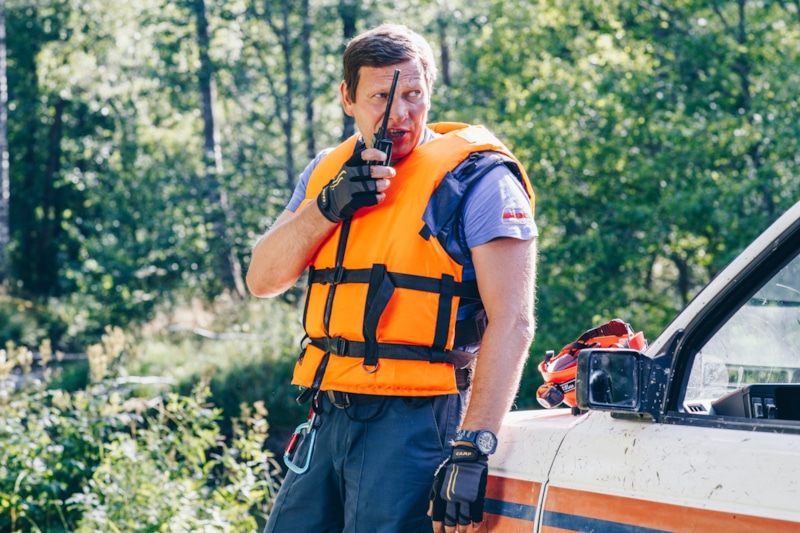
(396, 251)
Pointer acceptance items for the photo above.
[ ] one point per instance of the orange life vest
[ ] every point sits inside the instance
(382, 295)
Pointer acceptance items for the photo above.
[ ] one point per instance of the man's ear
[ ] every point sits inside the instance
(347, 104)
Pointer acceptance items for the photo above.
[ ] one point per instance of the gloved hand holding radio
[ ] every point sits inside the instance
(459, 488)
(351, 189)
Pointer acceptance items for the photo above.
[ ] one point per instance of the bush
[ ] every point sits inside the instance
(102, 459)
(245, 351)
(27, 323)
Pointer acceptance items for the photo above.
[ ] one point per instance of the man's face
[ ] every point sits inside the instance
(409, 115)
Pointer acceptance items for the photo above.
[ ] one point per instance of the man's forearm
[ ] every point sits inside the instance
(283, 253)
(506, 273)
(498, 371)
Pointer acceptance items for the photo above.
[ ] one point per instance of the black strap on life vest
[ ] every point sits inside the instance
(379, 292)
(466, 290)
(381, 285)
(385, 350)
(340, 249)
(441, 333)
(326, 321)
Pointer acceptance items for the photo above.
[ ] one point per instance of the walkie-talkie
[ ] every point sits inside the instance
(379, 140)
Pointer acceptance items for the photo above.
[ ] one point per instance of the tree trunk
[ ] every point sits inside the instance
(47, 223)
(682, 284)
(444, 49)
(283, 35)
(311, 144)
(348, 10)
(219, 210)
(288, 125)
(4, 162)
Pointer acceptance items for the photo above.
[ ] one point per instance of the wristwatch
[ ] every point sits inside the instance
(484, 440)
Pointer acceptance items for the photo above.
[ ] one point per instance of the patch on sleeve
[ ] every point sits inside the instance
(516, 214)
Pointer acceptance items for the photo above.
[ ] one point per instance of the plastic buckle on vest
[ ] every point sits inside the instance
(334, 345)
(336, 275)
(337, 345)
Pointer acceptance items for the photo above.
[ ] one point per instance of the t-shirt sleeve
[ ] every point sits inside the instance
(302, 183)
(497, 206)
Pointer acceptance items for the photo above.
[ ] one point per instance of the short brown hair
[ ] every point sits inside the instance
(386, 45)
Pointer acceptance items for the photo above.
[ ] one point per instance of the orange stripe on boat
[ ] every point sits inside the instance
(573, 510)
(510, 505)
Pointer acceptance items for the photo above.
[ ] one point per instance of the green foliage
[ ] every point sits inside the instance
(244, 351)
(24, 323)
(643, 130)
(105, 460)
(660, 139)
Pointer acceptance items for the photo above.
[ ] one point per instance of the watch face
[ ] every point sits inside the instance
(486, 442)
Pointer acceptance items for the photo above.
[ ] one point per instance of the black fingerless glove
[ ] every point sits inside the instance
(459, 487)
(351, 189)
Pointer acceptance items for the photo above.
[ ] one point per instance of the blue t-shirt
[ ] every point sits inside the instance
(496, 206)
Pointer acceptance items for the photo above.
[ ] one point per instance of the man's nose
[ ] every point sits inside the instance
(399, 110)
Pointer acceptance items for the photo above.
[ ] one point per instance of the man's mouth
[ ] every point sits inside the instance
(395, 135)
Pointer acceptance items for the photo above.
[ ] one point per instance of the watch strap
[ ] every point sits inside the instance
(473, 436)
(466, 435)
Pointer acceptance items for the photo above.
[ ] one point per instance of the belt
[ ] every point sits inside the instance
(343, 400)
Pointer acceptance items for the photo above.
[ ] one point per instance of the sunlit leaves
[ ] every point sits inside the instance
(660, 137)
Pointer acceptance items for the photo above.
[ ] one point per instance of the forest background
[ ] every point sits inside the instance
(146, 145)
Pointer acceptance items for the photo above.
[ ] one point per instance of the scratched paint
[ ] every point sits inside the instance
(726, 470)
